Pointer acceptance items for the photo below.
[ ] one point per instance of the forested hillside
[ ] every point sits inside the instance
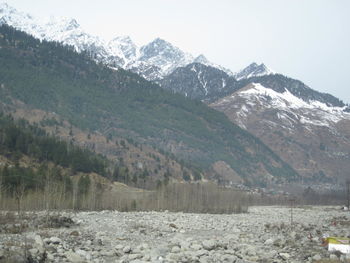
(32, 161)
(48, 76)
(19, 138)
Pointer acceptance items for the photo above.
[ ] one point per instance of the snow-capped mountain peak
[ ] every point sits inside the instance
(159, 47)
(63, 23)
(125, 48)
(164, 55)
(201, 59)
(123, 40)
(253, 70)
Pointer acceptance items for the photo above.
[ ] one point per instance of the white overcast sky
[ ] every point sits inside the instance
(304, 39)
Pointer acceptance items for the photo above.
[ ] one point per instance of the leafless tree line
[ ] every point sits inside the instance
(185, 197)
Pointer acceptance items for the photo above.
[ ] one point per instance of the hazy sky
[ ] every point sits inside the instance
(304, 39)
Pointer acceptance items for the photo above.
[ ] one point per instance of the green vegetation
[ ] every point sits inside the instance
(46, 172)
(20, 138)
(54, 78)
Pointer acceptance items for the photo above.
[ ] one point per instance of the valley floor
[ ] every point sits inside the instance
(264, 234)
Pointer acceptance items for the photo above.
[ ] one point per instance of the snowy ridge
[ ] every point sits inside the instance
(164, 55)
(203, 60)
(152, 61)
(290, 110)
(253, 70)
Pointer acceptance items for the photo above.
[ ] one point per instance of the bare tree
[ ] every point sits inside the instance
(19, 193)
(348, 192)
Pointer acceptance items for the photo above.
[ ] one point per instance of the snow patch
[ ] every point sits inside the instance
(313, 112)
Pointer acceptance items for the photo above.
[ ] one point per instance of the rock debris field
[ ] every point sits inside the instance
(264, 234)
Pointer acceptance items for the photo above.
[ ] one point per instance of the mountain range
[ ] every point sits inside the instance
(38, 76)
(152, 61)
(308, 129)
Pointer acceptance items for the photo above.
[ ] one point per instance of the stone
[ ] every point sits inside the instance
(55, 240)
(144, 246)
(50, 256)
(173, 225)
(196, 246)
(227, 258)
(74, 257)
(127, 249)
(251, 252)
(16, 258)
(269, 242)
(107, 253)
(51, 248)
(147, 257)
(34, 252)
(209, 244)
(81, 253)
(185, 245)
(74, 233)
(119, 247)
(134, 256)
(38, 241)
(175, 249)
(293, 235)
(284, 256)
(317, 257)
(200, 253)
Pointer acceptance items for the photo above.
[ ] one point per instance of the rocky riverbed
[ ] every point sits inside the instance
(264, 234)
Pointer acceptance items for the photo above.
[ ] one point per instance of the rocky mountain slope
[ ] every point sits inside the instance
(200, 82)
(309, 129)
(309, 132)
(49, 77)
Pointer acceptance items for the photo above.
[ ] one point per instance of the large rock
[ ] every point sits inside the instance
(2, 253)
(196, 246)
(175, 249)
(269, 242)
(74, 257)
(55, 240)
(127, 249)
(284, 256)
(209, 244)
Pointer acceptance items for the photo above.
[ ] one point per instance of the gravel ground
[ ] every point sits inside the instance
(264, 234)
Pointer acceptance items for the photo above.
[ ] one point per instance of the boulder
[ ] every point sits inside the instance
(175, 249)
(127, 249)
(284, 256)
(55, 240)
(74, 257)
(196, 246)
(209, 244)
